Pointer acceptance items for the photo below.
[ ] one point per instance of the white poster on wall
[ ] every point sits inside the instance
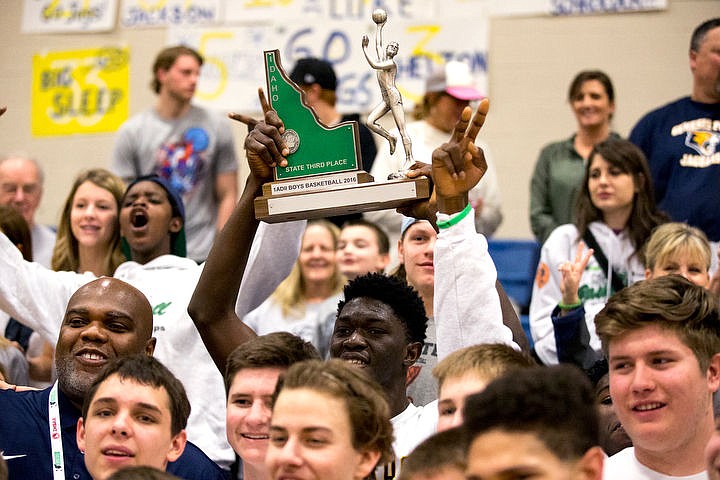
(240, 11)
(68, 16)
(162, 13)
(234, 67)
(570, 7)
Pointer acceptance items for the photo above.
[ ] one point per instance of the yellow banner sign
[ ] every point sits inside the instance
(80, 91)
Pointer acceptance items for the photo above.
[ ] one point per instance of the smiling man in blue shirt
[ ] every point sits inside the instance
(105, 319)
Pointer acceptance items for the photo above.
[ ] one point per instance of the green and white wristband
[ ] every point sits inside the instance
(443, 224)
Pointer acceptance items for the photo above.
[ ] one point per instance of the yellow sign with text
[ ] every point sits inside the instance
(80, 91)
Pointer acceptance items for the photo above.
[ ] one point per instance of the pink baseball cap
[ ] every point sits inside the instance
(454, 79)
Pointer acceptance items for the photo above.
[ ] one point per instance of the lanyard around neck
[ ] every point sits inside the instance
(58, 461)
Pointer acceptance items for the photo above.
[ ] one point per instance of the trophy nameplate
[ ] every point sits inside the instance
(324, 175)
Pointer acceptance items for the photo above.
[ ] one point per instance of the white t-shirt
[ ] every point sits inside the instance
(624, 466)
(411, 427)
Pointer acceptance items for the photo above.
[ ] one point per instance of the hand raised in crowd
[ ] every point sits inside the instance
(264, 146)
(572, 273)
(458, 165)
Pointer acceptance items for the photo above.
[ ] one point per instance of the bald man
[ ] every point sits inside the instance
(105, 319)
(21, 187)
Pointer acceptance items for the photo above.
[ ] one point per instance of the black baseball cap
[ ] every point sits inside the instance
(314, 70)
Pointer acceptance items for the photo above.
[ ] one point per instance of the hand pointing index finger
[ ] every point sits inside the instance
(239, 117)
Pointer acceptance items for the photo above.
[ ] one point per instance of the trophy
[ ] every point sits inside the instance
(324, 175)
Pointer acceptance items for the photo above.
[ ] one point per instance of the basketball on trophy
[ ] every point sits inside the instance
(379, 16)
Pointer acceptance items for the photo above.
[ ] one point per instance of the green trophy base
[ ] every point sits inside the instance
(363, 197)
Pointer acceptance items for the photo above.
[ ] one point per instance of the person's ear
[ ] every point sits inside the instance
(401, 251)
(648, 274)
(640, 184)
(312, 94)
(315, 88)
(412, 353)
(177, 446)
(176, 224)
(366, 465)
(713, 373)
(80, 435)
(590, 465)
(150, 346)
(383, 261)
(693, 60)
(161, 73)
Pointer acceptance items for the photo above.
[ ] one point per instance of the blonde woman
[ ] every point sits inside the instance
(301, 304)
(88, 236)
(677, 248)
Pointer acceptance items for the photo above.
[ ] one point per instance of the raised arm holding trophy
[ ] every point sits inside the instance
(322, 173)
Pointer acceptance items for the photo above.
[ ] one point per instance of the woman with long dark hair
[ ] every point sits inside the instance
(584, 262)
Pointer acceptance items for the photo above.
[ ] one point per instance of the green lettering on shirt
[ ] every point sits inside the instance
(159, 309)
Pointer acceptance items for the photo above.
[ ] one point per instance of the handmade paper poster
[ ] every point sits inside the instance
(79, 91)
